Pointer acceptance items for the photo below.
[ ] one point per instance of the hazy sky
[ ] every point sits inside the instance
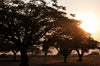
(84, 9)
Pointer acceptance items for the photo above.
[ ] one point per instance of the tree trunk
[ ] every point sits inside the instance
(80, 58)
(24, 57)
(80, 55)
(14, 56)
(65, 59)
(45, 57)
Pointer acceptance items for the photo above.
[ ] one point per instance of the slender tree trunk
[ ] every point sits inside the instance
(24, 57)
(80, 55)
(80, 58)
(14, 56)
(45, 57)
(66, 54)
(65, 59)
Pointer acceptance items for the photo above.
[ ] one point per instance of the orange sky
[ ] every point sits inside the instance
(85, 9)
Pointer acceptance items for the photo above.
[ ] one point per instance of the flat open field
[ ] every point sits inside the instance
(52, 61)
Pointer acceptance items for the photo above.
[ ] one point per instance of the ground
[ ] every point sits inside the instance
(52, 61)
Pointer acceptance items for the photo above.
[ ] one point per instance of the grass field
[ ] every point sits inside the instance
(52, 61)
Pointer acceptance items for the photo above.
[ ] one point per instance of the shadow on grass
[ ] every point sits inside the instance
(68, 64)
(10, 60)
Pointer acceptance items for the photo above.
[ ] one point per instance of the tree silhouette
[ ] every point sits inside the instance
(90, 43)
(24, 24)
(70, 36)
(63, 48)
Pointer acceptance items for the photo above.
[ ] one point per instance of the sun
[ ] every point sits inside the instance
(88, 23)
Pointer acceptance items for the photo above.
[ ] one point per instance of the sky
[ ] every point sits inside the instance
(86, 10)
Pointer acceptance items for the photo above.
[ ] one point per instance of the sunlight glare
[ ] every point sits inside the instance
(88, 23)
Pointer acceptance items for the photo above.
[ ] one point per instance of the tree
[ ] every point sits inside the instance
(90, 43)
(80, 54)
(63, 48)
(70, 36)
(61, 38)
(24, 24)
(47, 43)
